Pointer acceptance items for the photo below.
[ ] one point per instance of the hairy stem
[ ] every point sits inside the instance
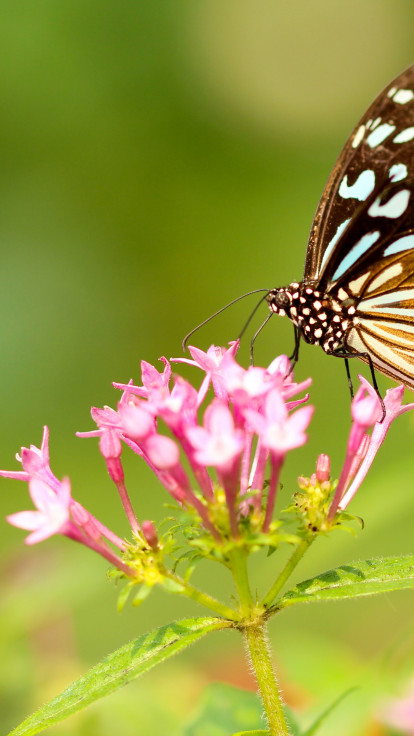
(258, 648)
(238, 569)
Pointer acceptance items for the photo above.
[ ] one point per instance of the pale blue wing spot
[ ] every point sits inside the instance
(398, 172)
(334, 241)
(358, 136)
(374, 124)
(402, 96)
(358, 250)
(363, 186)
(405, 136)
(380, 134)
(404, 243)
(394, 208)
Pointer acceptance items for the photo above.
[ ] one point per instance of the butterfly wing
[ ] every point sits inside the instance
(380, 150)
(384, 327)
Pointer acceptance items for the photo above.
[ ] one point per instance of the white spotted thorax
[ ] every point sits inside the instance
(357, 293)
(321, 321)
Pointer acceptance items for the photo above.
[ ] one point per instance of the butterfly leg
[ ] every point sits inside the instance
(295, 355)
(348, 373)
(367, 358)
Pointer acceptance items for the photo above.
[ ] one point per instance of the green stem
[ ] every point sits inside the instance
(287, 571)
(203, 598)
(238, 567)
(260, 658)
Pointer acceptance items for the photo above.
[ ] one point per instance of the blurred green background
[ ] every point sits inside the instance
(158, 160)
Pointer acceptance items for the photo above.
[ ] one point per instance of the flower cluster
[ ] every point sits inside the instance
(249, 422)
(224, 471)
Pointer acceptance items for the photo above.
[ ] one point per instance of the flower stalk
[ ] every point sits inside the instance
(287, 571)
(259, 655)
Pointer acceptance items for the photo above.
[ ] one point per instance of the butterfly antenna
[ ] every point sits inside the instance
(251, 316)
(256, 334)
(212, 316)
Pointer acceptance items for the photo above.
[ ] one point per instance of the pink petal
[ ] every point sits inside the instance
(163, 452)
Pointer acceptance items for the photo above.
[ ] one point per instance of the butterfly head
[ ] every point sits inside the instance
(282, 301)
(321, 319)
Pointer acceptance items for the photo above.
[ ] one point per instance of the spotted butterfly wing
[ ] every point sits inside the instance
(382, 139)
(357, 295)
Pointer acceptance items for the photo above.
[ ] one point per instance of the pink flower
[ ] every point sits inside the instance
(218, 443)
(280, 432)
(210, 362)
(137, 422)
(152, 380)
(393, 409)
(179, 408)
(52, 515)
(35, 463)
(365, 406)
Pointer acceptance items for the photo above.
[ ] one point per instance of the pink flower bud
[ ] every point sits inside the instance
(148, 530)
(110, 445)
(162, 451)
(136, 422)
(323, 468)
(366, 406)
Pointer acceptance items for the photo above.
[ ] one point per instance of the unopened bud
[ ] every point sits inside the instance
(323, 468)
(148, 530)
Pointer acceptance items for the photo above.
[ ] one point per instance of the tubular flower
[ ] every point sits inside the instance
(219, 457)
(362, 447)
(244, 427)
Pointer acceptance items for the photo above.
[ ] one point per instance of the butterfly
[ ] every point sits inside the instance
(356, 299)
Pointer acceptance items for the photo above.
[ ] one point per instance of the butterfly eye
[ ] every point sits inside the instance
(281, 299)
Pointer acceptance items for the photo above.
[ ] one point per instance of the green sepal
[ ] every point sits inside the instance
(141, 594)
(123, 596)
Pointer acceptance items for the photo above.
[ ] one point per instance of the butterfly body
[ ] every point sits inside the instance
(357, 294)
(321, 319)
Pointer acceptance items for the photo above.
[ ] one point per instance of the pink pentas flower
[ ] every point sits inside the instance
(218, 443)
(243, 385)
(210, 362)
(163, 452)
(152, 380)
(179, 408)
(52, 515)
(136, 421)
(365, 406)
(393, 409)
(280, 432)
(35, 463)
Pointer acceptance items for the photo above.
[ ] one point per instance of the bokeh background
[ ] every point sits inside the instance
(157, 160)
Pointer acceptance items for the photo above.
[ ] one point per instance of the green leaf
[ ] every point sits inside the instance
(378, 575)
(319, 721)
(118, 669)
(225, 709)
(252, 733)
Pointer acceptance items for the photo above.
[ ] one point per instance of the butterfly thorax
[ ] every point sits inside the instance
(321, 319)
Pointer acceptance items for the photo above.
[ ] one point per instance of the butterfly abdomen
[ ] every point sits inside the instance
(321, 319)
